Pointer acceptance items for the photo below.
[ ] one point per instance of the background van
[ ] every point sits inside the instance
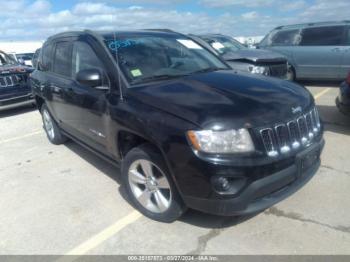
(318, 51)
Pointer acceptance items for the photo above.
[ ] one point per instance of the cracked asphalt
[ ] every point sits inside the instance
(63, 199)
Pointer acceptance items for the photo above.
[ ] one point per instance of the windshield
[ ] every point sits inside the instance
(26, 56)
(5, 59)
(145, 57)
(224, 44)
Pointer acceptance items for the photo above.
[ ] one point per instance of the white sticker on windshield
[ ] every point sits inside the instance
(217, 45)
(189, 44)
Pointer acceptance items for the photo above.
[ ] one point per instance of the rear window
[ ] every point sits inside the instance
(323, 36)
(63, 54)
(284, 38)
(45, 58)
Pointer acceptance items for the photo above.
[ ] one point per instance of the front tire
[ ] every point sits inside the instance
(149, 186)
(51, 129)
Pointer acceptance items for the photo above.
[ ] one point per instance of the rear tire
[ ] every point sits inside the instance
(51, 129)
(291, 74)
(149, 185)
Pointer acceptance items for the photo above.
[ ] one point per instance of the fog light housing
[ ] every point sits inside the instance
(221, 184)
(227, 185)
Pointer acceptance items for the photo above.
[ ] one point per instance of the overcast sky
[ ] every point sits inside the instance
(38, 19)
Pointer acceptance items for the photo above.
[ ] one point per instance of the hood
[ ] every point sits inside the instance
(255, 56)
(10, 69)
(225, 99)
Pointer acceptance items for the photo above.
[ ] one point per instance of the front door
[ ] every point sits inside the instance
(89, 103)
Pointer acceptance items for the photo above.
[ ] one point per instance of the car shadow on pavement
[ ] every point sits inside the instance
(105, 167)
(334, 121)
(17, 111)
(192, 217)
(204, 220)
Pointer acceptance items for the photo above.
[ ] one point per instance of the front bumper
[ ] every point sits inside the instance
(262, 193)
(16, 101)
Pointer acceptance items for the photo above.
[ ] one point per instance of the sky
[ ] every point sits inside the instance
(34, 20)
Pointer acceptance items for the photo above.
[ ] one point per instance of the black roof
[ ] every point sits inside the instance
(111, 34)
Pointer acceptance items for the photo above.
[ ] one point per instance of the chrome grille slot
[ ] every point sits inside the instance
(318, 123)
(314, 121)
(285, 137)
(302, 129)
(282, 138)
(2, 82)
(269, 141)
(294, 134)
(309, 125)
(9, 81)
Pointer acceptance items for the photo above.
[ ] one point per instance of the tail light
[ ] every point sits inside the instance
(348, 79)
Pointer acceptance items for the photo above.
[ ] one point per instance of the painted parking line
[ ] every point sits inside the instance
(21, 137)
(100, 237)
(318, 95)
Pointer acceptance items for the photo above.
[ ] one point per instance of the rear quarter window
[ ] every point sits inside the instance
(323, 36)
(45, 59)
(284, 38)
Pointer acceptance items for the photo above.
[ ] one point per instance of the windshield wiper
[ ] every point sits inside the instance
(155, 77)
(206, 70)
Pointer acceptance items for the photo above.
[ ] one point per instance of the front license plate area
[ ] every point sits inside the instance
(308, 159)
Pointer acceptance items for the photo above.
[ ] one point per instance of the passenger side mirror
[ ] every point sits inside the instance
(92, 78)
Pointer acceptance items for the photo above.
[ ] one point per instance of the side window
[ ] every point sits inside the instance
(62, 60)
(285, 38)
(84, 57)
(322, 36)
(45, 58)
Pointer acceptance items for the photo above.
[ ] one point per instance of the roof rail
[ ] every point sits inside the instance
(160, 30)
(311, 24)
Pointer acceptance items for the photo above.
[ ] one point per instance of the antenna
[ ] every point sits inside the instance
(118, 68)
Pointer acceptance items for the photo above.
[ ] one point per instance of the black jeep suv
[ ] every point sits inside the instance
(185, 130)
(14, 85)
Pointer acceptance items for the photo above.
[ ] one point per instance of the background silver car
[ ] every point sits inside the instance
(318, 51)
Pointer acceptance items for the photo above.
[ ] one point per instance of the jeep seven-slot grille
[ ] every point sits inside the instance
(285, 137)
(10, 81)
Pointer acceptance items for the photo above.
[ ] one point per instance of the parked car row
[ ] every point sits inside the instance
(14, 85)
(192, 121)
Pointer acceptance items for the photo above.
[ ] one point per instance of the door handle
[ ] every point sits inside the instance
(336, 49)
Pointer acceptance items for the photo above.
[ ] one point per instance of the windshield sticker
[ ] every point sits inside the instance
(117, 44)
(189, 44)
(136, 72)
(217, 45)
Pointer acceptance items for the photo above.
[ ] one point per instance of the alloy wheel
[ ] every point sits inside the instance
(48, 125)
(149, 186)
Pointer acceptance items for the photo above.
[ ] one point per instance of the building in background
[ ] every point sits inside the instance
(249, 40)
(20, 47)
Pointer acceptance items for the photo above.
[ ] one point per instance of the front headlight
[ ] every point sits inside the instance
(231, 141)
(261, 70)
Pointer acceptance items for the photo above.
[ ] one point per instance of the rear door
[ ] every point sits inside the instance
(60, 82)
(319, 54)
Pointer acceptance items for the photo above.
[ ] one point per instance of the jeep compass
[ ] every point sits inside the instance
(185, 130)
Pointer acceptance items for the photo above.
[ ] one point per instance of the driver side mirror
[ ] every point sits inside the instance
(91, 78)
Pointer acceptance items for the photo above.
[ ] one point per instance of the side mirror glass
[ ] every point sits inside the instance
(92, 78)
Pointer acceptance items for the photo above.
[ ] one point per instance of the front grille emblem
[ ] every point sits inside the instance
(297, 109)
